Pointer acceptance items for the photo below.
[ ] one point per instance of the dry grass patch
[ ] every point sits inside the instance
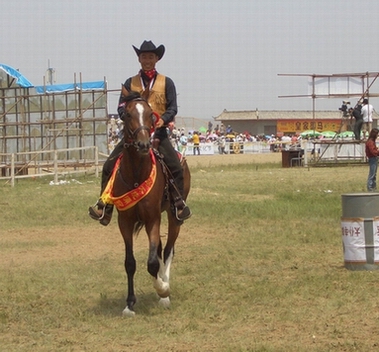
(259, 267)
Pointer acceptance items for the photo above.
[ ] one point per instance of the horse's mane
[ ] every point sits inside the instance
(131, 96)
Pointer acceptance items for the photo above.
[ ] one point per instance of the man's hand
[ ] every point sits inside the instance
(121, 111)
(159, 124)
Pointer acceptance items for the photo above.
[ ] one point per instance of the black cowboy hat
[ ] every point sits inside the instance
(149, 47)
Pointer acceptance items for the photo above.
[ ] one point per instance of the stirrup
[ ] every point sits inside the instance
(101, 212)
(94, 213)
(182, 213)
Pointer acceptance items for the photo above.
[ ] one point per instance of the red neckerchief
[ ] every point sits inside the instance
(150, 74)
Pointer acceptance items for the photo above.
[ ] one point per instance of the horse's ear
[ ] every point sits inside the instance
(124, 91)
(145, 94)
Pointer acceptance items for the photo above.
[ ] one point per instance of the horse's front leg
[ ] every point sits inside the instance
(130, 267)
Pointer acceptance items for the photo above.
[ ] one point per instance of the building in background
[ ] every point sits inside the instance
(264, 122)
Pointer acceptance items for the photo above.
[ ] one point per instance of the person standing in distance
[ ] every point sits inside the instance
(372, 154)
(196, 143)
(366, 111)
(357, 114)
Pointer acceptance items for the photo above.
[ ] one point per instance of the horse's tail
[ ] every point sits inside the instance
(137, 228)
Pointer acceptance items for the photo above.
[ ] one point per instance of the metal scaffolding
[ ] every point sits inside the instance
(32, 121)
(342, 86)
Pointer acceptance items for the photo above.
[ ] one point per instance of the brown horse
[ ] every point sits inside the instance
(135, 168)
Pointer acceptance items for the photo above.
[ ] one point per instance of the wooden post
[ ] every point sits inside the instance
(12, 170)
(96, 161)
(55, 166)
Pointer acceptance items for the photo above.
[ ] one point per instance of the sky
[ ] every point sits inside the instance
(221, 54)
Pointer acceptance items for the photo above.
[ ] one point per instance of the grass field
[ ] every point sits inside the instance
(259, 267)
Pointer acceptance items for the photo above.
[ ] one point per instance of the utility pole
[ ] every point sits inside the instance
(50, 73)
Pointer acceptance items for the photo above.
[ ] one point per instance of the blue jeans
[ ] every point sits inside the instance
(373, 167)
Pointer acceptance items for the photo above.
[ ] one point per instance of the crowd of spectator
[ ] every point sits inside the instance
(115, 132)
(220, 135)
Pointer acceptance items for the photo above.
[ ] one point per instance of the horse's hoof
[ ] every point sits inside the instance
(165, 302)
(128, 313)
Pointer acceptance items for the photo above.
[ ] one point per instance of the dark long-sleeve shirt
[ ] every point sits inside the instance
(371, 149)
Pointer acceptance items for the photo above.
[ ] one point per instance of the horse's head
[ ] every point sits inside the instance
(138, 121)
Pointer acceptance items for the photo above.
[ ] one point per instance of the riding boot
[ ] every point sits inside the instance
(100, 211)
(182, 211)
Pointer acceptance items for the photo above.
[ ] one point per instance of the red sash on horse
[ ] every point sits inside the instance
(131, 198)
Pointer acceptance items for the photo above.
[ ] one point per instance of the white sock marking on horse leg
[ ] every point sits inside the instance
(161, 269)
(162, 283)
(128, 313)
(167, 267)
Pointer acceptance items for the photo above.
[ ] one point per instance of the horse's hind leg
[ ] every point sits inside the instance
(168, 255)
(164, 275)
(154, 268)
(153, 261)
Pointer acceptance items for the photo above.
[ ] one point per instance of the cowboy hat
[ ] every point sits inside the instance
(149, 47)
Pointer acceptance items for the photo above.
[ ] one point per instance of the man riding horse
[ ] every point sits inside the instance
(161, 94)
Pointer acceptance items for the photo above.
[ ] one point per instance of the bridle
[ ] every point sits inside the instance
(130, 136)
(130, 140)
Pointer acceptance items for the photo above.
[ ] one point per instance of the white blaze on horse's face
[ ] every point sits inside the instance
(140, 110)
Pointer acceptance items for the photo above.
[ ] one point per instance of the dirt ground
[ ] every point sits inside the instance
(86, 244)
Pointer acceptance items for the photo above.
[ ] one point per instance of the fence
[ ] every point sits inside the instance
(49, 163)
(89, 159)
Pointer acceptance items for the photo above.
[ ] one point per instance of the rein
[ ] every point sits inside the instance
(130, 135)
(131, 142)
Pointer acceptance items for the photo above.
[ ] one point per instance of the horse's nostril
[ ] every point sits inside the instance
(143, 145)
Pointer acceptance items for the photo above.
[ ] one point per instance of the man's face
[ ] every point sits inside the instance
(147, 61)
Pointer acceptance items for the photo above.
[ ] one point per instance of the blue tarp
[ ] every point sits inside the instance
(22, 81)
(56, 88)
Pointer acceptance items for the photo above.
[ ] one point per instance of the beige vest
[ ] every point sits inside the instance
(157, 94)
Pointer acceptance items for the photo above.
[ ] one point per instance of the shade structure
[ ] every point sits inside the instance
(346, 134)
(328, 134)
(310, 133)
